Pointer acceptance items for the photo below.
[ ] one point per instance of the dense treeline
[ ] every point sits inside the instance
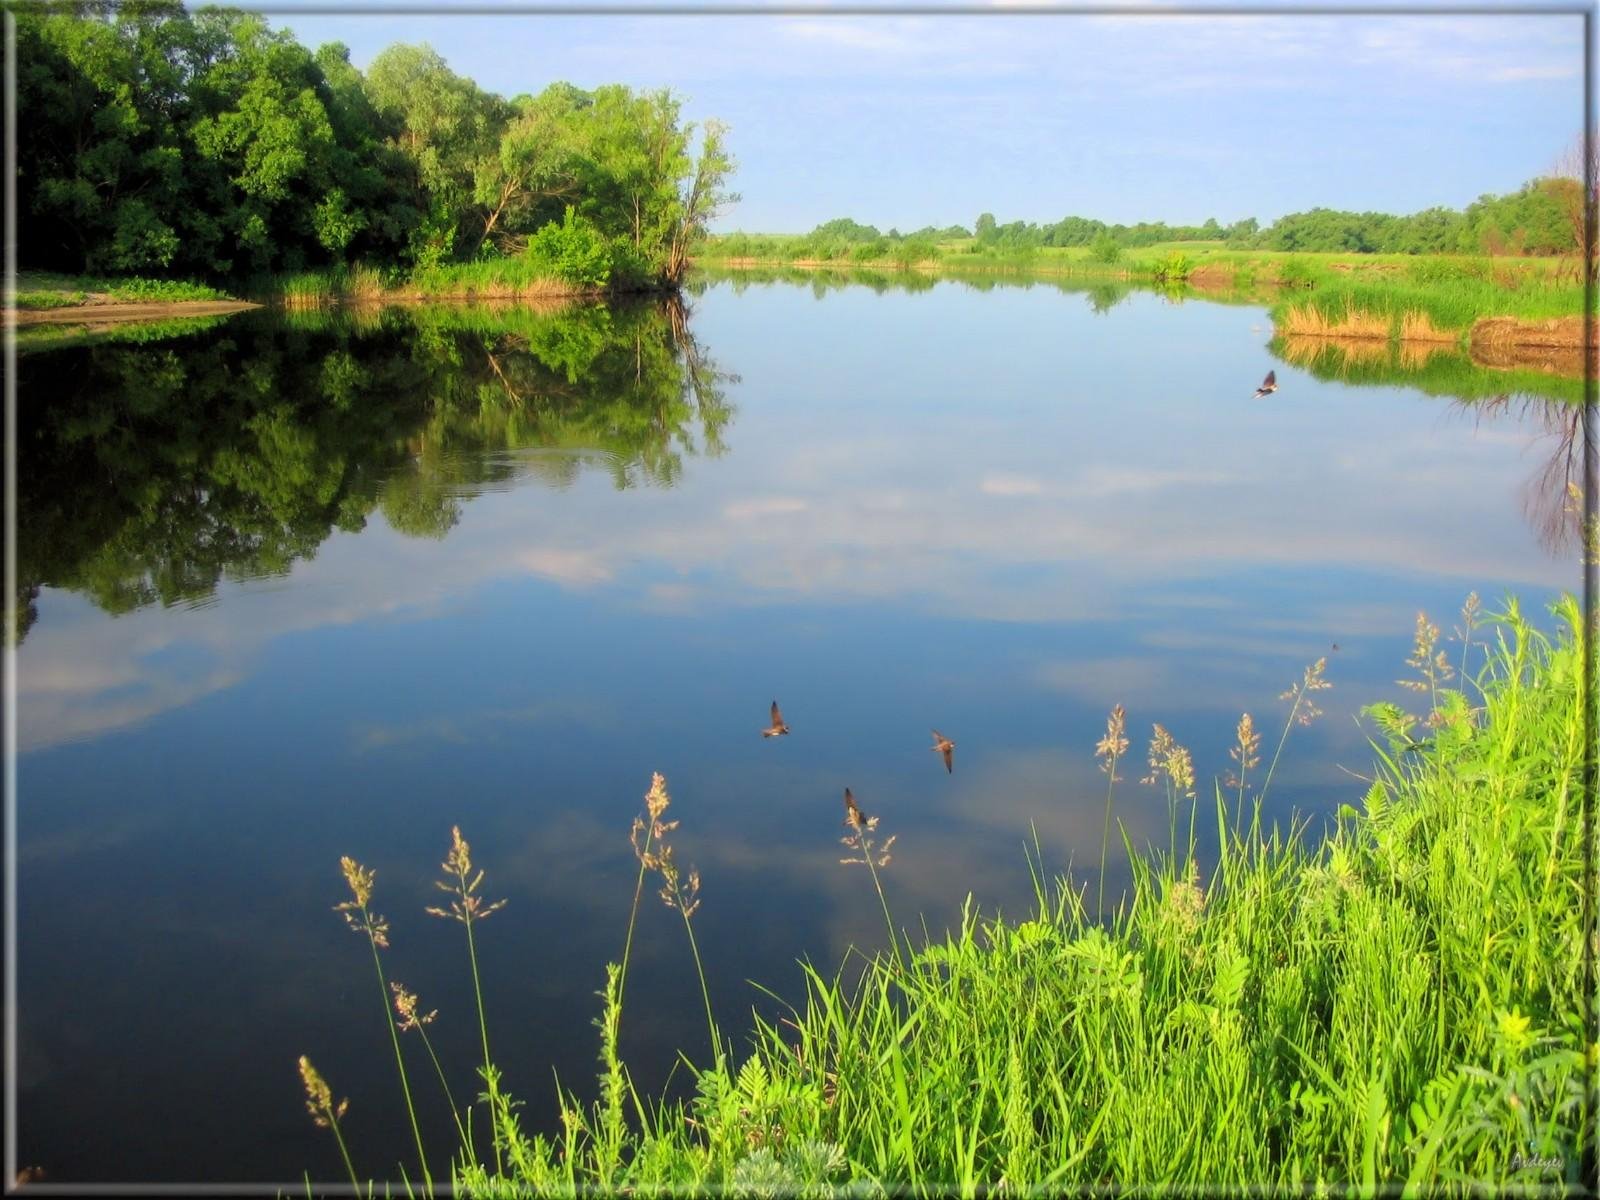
(156, 140)
(1544, 217)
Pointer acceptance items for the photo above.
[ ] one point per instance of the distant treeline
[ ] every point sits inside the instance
(156, 140)
(1544, 217)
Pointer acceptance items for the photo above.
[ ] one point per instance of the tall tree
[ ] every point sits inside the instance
(444, 124)
(535, 167)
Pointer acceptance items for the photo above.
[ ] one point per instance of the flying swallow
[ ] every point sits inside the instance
(946, 747)
(778, 727)
(853, 816)
(1268, 386)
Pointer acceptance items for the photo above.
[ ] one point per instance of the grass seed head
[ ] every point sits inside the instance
(1303, 710)
(355, 911)
(644, 833)
(1172, 760)
(405, 1003)
(359, 878)
(656, 799)
(319, 1096)
(459, 860)
(1470, 610)
(1429, 663)
(467, 905)
(1248, 743)
(1111, 747)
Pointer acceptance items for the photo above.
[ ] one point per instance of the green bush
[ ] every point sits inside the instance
(1174, 268)
(630, 267)
(1105, 249)
(573, 251)
(1296, 272)
(915, 250)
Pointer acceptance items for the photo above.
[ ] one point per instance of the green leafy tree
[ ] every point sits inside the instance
(445, 126)
(536, 163)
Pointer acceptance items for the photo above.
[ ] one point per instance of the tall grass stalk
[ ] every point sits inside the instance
(1109, 749)
(655, 802)
(411, 1017)
(376, 929)
(469, 908)
(325, 1113)
(865, 850)
(685, 898)
(1302, 710)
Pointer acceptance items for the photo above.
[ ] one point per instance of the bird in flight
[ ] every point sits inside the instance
(1268, 386)
(778, 727)
(946, 747)
(853, 816)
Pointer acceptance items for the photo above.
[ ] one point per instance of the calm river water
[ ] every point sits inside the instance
(330, 584)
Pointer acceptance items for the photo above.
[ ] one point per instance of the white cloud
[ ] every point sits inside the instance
(877, 35)
(1520, 74)
(1011, 485)
(767, 506)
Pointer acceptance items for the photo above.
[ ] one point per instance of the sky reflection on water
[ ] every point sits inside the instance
(998, 513)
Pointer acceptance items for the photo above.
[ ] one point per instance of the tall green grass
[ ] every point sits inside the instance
(1402, 1003)
(1450, 303)
(513, 278)
(42, 289)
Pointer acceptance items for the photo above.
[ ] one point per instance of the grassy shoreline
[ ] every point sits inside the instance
(44, 297)
(1392, 296)
(1492, 305)
(1405, 1002)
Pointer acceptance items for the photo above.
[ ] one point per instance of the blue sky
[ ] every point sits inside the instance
(906, 120)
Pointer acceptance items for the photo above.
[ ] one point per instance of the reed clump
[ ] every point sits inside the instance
(1403, 1004)
(1418, 326)
(1310, 321)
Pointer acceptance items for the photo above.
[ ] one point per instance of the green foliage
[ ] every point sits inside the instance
(1447, 270)
(908, 252)
(573, 251)
(205, 143)
(48, 299)
(1175, 267)
(1536, 219)
(843, 229)
(141, 291)
(1295, 273)
(1105, 249)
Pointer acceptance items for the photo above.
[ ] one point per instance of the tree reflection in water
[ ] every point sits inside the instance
(150, 472)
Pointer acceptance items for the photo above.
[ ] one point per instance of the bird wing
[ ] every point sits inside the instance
(1271, 380)
(777, 717)
(949, 753)
(938, 738)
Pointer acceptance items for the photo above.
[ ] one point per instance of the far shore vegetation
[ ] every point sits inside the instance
(1397, 1000)
(1429, 276)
